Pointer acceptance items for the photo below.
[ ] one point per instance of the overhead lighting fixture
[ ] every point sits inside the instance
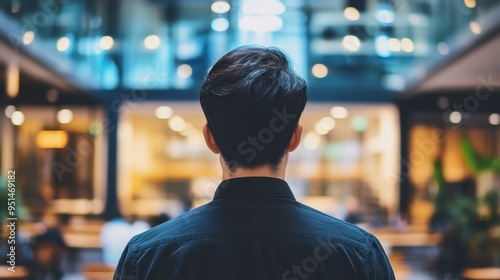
(351, 13)
(184, 71)
(394, 45)
(9, 110)
(470, 3)
(339, 112)
(163, 112)
(351, 43)
(28, 37)
(52, 139)
(17, 118)
(261, 7)
(475, 27)
(407, 45)
(63, 44)
(385, 16)
(12, 80)
(220, 7)
(260, 24)
(494, 119)
(455, 117)
(106, 43)
(220, 24)
(319, 70)
(176, 123)
(64, 116)
(152, 42)
(382, 45)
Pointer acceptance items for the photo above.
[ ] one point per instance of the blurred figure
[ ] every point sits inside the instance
(49, 249)
(353, 215)
(158, 220)
(114, 237)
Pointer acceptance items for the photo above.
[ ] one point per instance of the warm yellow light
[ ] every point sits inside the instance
(17, 118)
(64, 116)
(319, 70)
(339, 112)
(351, 13)
(475, 27)
(184, 71)
(220, 7)
(152, 42)
(351, 43)
(12, 80)
(52, 139)
(470, 3)
(106, 43)
(312, 141)
(63, 44)
(176, 123)
(163, 112)
(407, 45)
(28, 37)
(394, 45)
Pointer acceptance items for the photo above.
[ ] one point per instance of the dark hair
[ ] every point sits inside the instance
(253, 100)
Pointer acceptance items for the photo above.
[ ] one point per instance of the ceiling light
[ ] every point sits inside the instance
(63, 44)
(494, 119)
(220, 24)
(319, 70)
(351, 43)
(470, 3)
(475, 27)
(28, 37)
(163, 112)
(339, 112)
(407, 45)
(17, 118)
(184, 71)
(176, 123)
(394, 45)
(9, 110)
(351, 13)
(52, 139)
(106, 43)
(260, 24)
(220, 7)
(64, 116)
(152, 42)
(455, 117)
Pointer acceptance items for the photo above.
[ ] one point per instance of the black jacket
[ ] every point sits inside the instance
(254, 229)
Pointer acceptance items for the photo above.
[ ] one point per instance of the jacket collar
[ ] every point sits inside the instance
(253, 187)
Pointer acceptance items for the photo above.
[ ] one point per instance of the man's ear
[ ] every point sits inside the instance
(209, 140)
(295, 140)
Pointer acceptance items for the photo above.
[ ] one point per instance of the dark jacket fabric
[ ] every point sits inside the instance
(254, 229)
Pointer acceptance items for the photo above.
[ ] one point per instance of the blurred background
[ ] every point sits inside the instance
(101, 122)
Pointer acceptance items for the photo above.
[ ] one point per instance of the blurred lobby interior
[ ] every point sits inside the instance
(100, 119)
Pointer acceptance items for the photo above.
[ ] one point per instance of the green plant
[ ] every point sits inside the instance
(470, 224)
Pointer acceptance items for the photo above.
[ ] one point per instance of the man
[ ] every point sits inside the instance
(254, 228)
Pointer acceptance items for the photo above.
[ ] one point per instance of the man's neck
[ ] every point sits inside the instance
(263, 171)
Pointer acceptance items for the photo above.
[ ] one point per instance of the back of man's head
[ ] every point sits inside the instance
(253, 100)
